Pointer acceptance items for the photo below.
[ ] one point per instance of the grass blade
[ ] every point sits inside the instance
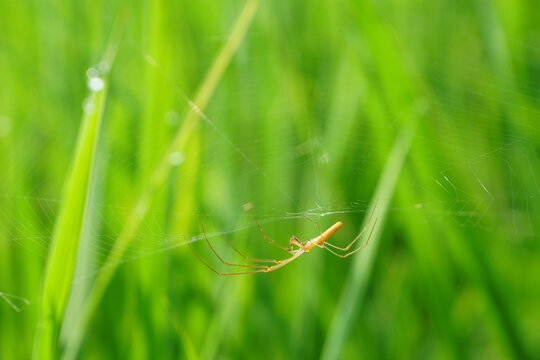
(160, 173)
(69, 225)
(362, 266)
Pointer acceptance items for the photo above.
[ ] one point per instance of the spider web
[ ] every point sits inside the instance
(464, 193)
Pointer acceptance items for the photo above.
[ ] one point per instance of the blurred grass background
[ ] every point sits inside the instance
(308, 119)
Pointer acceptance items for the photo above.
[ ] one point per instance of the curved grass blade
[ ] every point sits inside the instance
(362, 266)
(160, 173)
(71, 219)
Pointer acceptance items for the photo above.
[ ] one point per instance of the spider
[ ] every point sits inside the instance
(303, 247)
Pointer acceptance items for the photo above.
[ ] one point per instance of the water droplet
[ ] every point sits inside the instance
(92, 72)
(88, 106)
(176, 158)
(172, 118)
(96, 84)
(5, 126)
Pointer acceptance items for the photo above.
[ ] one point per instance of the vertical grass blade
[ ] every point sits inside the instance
(159, 175)
(362, 266)
(70, 222)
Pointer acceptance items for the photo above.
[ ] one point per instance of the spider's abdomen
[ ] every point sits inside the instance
(319, 240)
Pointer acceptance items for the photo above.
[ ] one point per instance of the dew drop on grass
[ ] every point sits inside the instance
(88, 106)
(92, 72)
(96, 84)
(176, 158)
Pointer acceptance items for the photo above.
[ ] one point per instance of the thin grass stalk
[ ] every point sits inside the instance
(72, 217)
(159, 175)
(362, 267)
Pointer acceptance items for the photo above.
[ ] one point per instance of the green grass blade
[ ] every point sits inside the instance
(160, 173)
(362, 266)
(69, 225)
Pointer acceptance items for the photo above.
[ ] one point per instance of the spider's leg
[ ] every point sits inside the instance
(355, 250)
(333, 252)
(219, 273)
(245, 257)
(268, 239)
(359, 235)
(271, 268)
(221, 259)
(316, 224)
(267, 269)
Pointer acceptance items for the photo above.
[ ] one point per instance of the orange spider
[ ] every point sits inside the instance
(303, 247)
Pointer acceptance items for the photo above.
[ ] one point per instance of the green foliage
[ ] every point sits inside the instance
(311, 112)
(73, 214)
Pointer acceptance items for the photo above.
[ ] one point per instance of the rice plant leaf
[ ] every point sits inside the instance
(70, 222)
(362, 267)
(159, 175)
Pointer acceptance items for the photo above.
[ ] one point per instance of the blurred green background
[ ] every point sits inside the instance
(325, 107)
